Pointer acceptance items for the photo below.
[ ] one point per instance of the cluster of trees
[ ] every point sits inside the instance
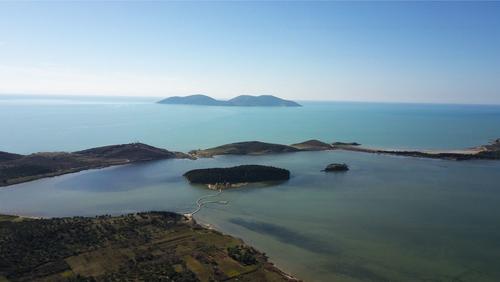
(237, 174)
(33, 249)
(243, 254)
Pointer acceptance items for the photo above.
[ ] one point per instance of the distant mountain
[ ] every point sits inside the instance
(197, 99)
(261, 101)
(240, 101)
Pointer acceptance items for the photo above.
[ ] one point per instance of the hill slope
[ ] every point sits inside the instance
(244, 148)
(261, 101)
(38, 165)
(197, 99)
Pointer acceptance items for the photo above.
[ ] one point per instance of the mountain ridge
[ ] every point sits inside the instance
(238, 101)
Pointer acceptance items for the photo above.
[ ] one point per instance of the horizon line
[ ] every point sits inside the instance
(26, 95)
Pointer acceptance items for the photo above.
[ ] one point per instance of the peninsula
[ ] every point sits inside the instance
(260, 148)
(237, 175)
(150, 246)
(15, 168)
(239, 101)
(483, 152)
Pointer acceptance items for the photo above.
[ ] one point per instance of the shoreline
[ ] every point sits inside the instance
(474, 153)
(219, 229)
(16, 181)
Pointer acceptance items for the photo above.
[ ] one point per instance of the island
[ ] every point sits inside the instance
(335, 167)
(239, 101)
(148, 246)
(15, 168)
(218, 178)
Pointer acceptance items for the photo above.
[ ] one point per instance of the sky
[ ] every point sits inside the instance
(434, 52)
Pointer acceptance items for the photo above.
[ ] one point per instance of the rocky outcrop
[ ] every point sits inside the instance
(336, 167)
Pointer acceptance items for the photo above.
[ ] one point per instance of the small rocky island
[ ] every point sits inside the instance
(15, 168)
(336, 167)
(239, 101)
(237, 175)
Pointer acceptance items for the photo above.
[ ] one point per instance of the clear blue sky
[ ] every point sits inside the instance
(393, 51)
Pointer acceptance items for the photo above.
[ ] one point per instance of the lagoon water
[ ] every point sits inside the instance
(387, 219)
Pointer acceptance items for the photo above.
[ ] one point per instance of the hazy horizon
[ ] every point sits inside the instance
(390, 52)
(160, 97)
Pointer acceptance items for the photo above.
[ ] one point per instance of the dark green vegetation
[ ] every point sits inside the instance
(240, 101)
(491, 151)
(346, 144)
(21, 168)
(243, 254)
(336, 167)
(4, 156)
(153, 246)
(237, 174)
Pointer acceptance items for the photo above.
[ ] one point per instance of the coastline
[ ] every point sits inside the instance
(254, 148)
(16, 181)
(282, 269)
(474, 153)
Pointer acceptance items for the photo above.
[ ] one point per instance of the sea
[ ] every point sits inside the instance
(389, 218)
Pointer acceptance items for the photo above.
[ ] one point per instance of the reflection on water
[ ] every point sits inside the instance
(387, 219)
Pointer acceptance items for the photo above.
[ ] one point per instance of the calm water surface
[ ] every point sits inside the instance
(30, 125)
(387, 219)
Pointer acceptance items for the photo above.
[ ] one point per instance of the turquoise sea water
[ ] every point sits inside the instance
(29, 124)
(388, 219)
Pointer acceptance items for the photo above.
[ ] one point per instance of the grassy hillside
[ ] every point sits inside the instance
(18, 168)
